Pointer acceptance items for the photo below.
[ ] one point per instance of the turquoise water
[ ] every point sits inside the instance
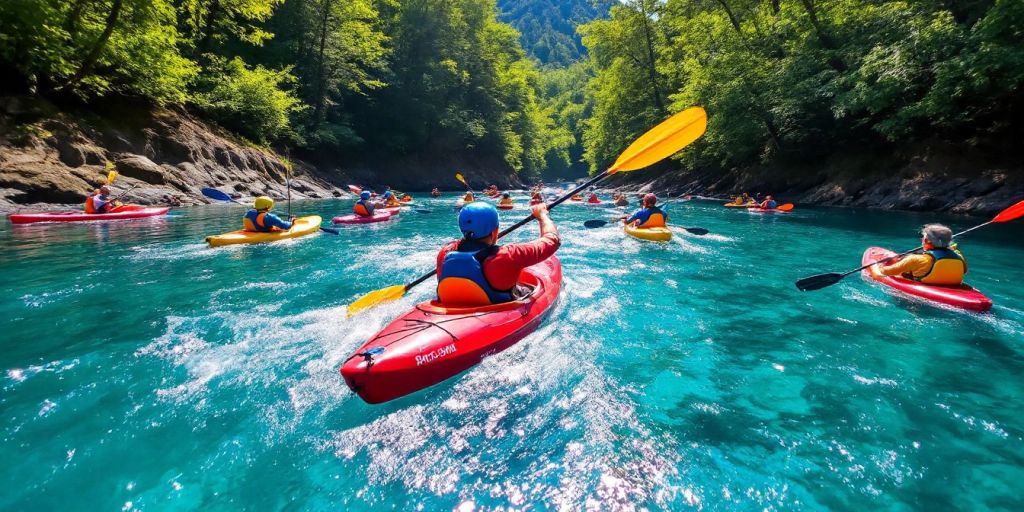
(143, 370)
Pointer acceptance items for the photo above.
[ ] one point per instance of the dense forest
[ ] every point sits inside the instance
(367, 78)
(380, 81)
(795, 80)
(548, 27)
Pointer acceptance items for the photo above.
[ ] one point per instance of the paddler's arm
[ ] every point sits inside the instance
(276, 222)
(908, 265)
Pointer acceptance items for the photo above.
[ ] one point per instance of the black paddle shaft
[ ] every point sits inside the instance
(527, 220)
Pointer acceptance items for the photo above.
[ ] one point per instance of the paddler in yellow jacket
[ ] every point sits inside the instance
(940, 264)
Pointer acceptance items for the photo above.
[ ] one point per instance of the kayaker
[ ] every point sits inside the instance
(650, 216)
(536, 198)
(390, 201)
(593, 198)
(744, 199)
(364, 207)
(506, 199)
(260, 220)
(768, 203)
(476, 272)
(941, 263)
(620, 200)
(99, 201)
(468, 198)
(435, 192)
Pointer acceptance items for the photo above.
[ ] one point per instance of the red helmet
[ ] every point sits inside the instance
(650, 199)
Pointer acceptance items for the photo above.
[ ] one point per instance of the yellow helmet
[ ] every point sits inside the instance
(263, 203)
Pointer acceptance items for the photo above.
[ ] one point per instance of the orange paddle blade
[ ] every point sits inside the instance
(785, 207)
(376, 297)
(664, 140)
(1014, 212)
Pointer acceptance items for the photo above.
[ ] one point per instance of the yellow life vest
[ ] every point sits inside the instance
(948, 268)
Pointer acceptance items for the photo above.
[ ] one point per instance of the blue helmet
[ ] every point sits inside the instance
(364, 195)
(478, 220)
(388, 194)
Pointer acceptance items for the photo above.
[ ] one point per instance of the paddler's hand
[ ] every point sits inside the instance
(540, 211)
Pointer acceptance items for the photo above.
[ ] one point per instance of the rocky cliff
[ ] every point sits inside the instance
(54, 155)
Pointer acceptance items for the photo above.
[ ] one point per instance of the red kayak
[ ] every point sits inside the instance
(505, 206)
(128, 211)
(431, 343)
(377, 216)
(962, 296)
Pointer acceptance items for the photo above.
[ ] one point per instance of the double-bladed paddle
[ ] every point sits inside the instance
(822, 280)
(217, 195)
(660, 142)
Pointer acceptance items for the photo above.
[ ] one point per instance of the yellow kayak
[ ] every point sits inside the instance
(653, 234)
(301, 227)
(734, 205)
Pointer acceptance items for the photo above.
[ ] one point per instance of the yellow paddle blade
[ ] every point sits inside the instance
(664, 140)
(111, 173)
(376, 297)
(460, 178)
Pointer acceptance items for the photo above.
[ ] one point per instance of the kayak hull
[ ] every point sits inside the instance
(431, 343)
(766, 210)
(359, 219)
(303, 226)
(734, 205)
(963, 296)
(649, 234)
(123, 213)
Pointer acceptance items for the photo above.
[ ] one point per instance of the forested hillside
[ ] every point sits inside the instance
(793, 82)
(361, 80)
(548, 27)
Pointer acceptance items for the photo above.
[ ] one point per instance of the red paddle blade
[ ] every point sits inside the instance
(785, 207)
(1014, 212)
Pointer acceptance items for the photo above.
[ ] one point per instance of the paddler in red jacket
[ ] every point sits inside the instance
(475, 271)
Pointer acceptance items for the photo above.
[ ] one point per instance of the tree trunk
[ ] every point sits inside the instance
(99, 45)
(732, 17)
(826, 40)
(321, 85)
(208, 28)
(776, 7)
(652, 72)
(71, 24)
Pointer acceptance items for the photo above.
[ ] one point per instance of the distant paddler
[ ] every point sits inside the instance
(506, 202)
(620, 200)
(650, 216)
(364, 207)
(260, 220)
(99, 201)
(435, 192)
(390, 201)
(536, 198)
(768, 203)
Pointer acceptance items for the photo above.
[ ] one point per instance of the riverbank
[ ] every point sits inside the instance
(52, 156)
(935, 177)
